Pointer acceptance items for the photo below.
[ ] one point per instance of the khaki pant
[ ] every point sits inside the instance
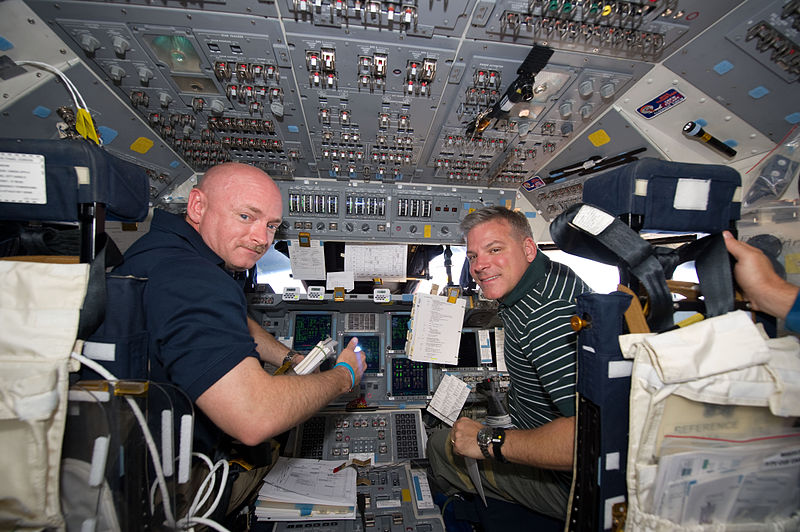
(540, 490)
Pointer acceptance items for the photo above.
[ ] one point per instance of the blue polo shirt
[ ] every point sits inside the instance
(196, 313)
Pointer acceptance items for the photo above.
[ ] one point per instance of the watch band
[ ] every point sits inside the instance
(498, 439)
(286, 365)
(290, 355)
(484, 438)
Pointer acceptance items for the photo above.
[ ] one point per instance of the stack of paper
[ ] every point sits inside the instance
(435, 329)
(743, 482)
(306, 489)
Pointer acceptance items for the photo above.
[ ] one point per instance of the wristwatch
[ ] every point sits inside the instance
(498, 439)
(484, 439)
(289, 356)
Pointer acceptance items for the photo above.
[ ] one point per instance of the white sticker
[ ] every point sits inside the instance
(692, 194)
(592, 220)
(100, 351)
(388, 503)
(612, 461)
(22, 178)
(619, 368)
(485, 346)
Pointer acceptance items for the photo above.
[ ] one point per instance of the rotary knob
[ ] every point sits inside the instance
(586, 88)
(145, 75)
(217, 107)
(164, 99)
(89, 43)
(120, 46)
(116, 73)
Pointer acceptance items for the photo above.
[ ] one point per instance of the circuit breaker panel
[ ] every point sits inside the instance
(360, 91)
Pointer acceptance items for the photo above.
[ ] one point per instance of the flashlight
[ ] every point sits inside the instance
(693, 129)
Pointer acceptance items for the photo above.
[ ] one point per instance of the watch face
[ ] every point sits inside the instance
(485, 436)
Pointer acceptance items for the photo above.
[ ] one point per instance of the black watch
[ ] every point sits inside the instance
(484, 439)
(498, 439)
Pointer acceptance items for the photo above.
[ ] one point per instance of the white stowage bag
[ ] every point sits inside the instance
(39, 312)
(713, 442)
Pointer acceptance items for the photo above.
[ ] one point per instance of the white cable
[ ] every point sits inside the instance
(151, 444)
(73, 90)
(206, 492)
(206, 489)
(223, 482)
(203, 521)
(80, 103)
(190, 519)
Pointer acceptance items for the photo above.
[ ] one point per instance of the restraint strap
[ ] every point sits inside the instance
(93, 311)
(591, 232)
(579, 230)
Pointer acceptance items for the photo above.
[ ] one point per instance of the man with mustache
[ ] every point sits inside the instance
(531, 463)
(201, 339)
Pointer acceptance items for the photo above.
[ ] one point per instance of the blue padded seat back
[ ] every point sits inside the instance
(122, 186)
(671, 196)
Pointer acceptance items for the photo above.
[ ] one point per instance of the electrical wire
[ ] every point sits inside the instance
(212, 478)
(80, 103)
(195, 504)
(203, 492)
(208, 522)
(151, 444)
(75, 94)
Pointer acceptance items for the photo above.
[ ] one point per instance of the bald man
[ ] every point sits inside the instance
(200, 337)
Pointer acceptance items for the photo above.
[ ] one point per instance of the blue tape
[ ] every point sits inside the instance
(305, 509)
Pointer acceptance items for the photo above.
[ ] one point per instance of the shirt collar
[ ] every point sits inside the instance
(533, 274)
(174, 223)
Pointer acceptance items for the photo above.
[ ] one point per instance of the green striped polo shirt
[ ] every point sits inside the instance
(540, 344)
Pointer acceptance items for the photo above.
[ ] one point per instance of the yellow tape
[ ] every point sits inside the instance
(85, 126)
(599, 137)
(141, 145)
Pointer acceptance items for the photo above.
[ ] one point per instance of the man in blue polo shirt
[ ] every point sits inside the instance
(531, 463)
(201, 339)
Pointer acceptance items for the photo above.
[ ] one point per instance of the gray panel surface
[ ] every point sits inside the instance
(731, 70)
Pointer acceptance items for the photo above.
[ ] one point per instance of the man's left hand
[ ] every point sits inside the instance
(464, 438)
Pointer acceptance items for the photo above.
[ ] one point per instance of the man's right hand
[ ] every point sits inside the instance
(766, 290)
(357, 361)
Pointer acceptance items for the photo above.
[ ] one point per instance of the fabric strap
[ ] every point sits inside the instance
(611, 241)
(93, 311)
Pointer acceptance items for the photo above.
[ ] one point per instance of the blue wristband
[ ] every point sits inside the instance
(352, 373)
(793, 317)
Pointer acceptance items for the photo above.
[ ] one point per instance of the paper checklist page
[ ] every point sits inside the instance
(449, 399)
(435, 329)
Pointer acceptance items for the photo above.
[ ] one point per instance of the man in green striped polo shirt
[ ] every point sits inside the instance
(530, 464)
